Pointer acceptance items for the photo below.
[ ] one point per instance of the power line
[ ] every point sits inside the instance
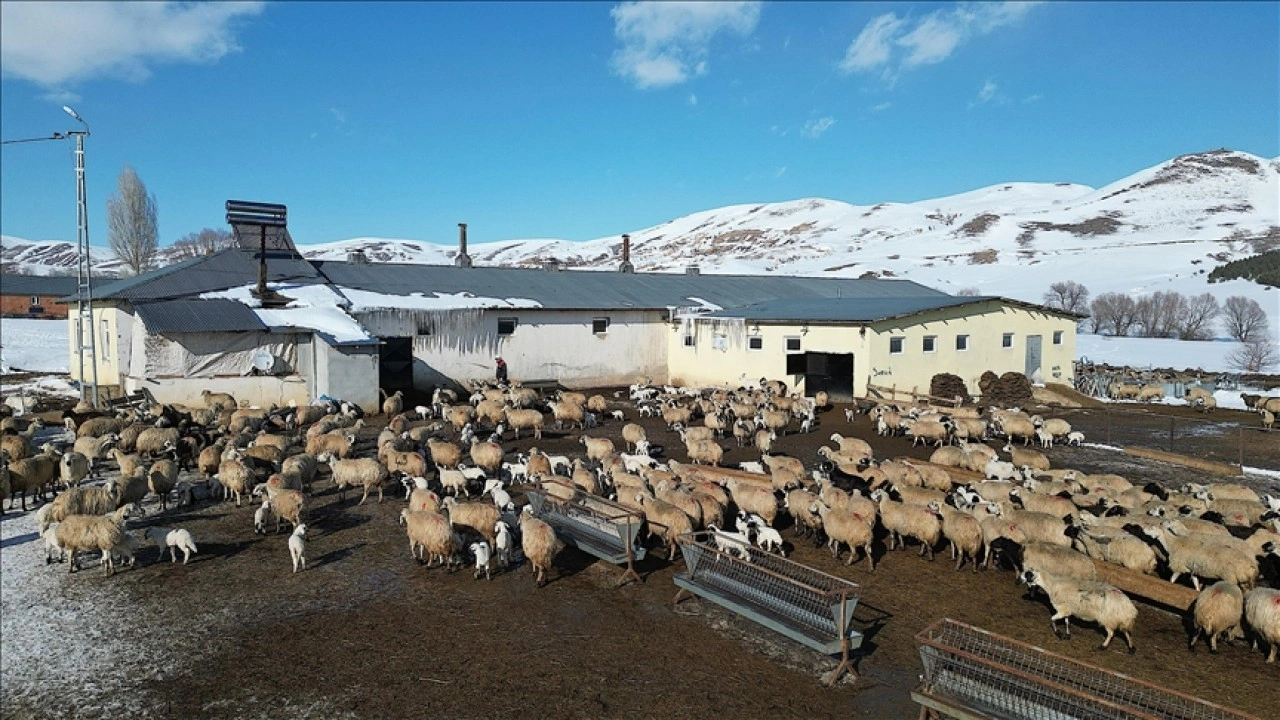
(55, 136)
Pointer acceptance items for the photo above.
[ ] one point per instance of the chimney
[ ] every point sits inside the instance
(692, 270)
(551, 264)
(625, 266)
(463, 259)
(357, 257)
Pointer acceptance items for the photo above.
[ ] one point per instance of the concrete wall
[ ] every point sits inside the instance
(258, 390)
(348, 373)
(720, 353)
(546, 344)
(112, 322)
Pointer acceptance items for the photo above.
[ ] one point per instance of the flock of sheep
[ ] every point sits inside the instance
(448, 456)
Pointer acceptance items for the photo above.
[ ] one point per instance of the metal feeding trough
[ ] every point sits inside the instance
(972, 673)
(804, 604)
(594, 525)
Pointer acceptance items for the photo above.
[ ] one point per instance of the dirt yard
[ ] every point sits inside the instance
(366, 632)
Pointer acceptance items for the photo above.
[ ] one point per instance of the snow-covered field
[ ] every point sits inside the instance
(33, 346)
(1210, 356)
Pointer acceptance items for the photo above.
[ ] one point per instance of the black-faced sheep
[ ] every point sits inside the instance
(1088, 601)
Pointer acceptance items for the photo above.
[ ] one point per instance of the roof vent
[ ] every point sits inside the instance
(551, 264)
(692, 270)
(463, 259)
(357, 257)
(625, 266)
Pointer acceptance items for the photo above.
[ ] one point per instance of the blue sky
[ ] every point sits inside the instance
(582, 120)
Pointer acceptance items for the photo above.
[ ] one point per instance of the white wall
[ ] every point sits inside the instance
(259, 390)
(546, 345)
(348, 373)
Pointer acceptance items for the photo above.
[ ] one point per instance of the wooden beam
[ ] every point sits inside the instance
(1146, 586)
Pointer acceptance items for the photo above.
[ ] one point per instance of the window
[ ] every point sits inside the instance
(106, 339)
(1057, 337)
(506, 326)
(688, 340)
(1006, 340)
(793, 344)
(930, 343)
(755, 342)
(600, 325)
(962, 342)
(895, 345)
(35, 299)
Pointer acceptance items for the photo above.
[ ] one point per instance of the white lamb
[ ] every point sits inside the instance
(483, 554)
(501, 498)
(770, 540)
(503, 542)
(173, 541)
(298, 547)
(617, 415)
(731, 543)
(746, 522)
(261, 516)
(1075, 438)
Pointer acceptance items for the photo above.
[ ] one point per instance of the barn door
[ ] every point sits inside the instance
(395, 364)
(1033, 359)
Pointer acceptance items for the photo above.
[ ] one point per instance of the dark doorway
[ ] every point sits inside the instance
(395, 364)
(832, 372)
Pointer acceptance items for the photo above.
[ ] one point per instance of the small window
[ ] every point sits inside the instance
(1006, 340)
(106, 339)
(895, 345)
(688, 340)
(600, 325)
(930, 343)
(755, 342)
(1057, 337)
(793, 344)
(35, 299)
(506, 326)
(962, 342)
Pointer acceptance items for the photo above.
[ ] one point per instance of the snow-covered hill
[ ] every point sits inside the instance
(1162, 228)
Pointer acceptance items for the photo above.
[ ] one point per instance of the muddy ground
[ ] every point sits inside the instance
(367, 632)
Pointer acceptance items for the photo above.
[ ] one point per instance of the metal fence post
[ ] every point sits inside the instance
(1171, 422)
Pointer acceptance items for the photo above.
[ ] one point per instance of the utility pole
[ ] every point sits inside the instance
(84, 286)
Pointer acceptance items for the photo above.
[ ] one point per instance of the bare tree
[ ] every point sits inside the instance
(1158, 312)
(1113, 312)
(1258, 354)
(1244, 318)
(205, 242)
(1195, 317)
(133, 230)
(1068, 295)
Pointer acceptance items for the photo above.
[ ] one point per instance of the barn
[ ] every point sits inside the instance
(34, 296)
(343, 329)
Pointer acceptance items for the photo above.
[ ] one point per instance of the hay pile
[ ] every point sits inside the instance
(946, 385)
(1011, 389)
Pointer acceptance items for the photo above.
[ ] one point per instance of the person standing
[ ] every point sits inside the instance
(502, 370)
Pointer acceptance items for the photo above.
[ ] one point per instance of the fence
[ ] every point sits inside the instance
(971, 672)
(594, 525)
(804, 604)
(1204, 437)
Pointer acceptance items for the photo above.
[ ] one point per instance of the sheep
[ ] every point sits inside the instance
(77, 501)
(502, 543)
(1044, 437)
(173, 541)
(706, 453)
(1089, 601)
(1036, 526)
(302, 466)
(104, 533)
(100, 426)
(1017, 427)
(161, 479)
(731, 543)
(1217, 611)
(1120, 548)
(910, 520)
(1026, 458)
(1075, 438)
(430, 535)
(1001, 471)
(1151, 393)
(754, 499)
(851, 528)
(1268, 419)
(1057, 560)
(1048, 504)
(928, 431)
(674, 521)
(1221, 491)
(287, 505)
(298, 547)
(365, 473)
(52, 550)
(962, 531)
(392, 404)
(30, 475)
(95, 448)
(525, 420)
(1204, 559)
(483, 554)
(444, 454)
(799, 504)
(572, 413)
(693, 435)
(1262, 614)
(236, 478)
(214, 400)
(539, 543)
(597, 448)
(764, 441)
(154, 440)
(1208, 404)
(338, 445)
(73, 467)
(477, 516)
(260, 517)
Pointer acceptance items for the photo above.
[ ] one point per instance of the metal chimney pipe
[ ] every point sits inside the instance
(626, 248)
(463, 259)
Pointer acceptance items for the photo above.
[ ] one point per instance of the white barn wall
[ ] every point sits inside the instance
(546, 345)
(259, 390)
(348, 373)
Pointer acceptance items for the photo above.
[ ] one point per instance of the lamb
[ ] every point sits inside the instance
(962, 530)
(298, 547)
(365, 473)
(483, 554)
(1217, 611)
(478, 516)
(731, 543)
(104, 533)
(906, 519)
(1001, 471)
(502, 543)
(539, 543)
(173, 541)
(260, 517)
(1089, 601)
(1075, 438)
(674, 521)
(1262, 614)
(1044, 437)
(753, 499)
(501, 498)
(844, 526)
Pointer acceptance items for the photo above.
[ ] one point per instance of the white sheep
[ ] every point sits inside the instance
(539, 543)
(52, 550)
(1217, 611)
(1075, 438)
(769, 540)
(173, 541)
(261, 516)
(501, 498)
(1088, 601)
(298, 547)
(730, 543)
(483, 554)
(1262, 613)
(503, 543)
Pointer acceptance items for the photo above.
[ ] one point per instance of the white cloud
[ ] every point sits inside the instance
(61, 96)
(891, 44)
(986, 94)
(881, 107)
(664, 43)
(693, 99)
(1032, 98)
(54, 43)
(816, 128)
(780, 171)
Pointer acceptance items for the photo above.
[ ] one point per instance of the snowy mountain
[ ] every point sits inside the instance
(1162, 228)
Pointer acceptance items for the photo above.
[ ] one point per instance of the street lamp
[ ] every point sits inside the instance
(84, 302)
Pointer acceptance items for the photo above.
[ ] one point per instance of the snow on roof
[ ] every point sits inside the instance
(318, 308)
(364, 300)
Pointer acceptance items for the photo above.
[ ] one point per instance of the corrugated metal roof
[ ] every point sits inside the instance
(575, 289)
(178, 316)
(37, 285)
(863, 310)
(221, 270)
